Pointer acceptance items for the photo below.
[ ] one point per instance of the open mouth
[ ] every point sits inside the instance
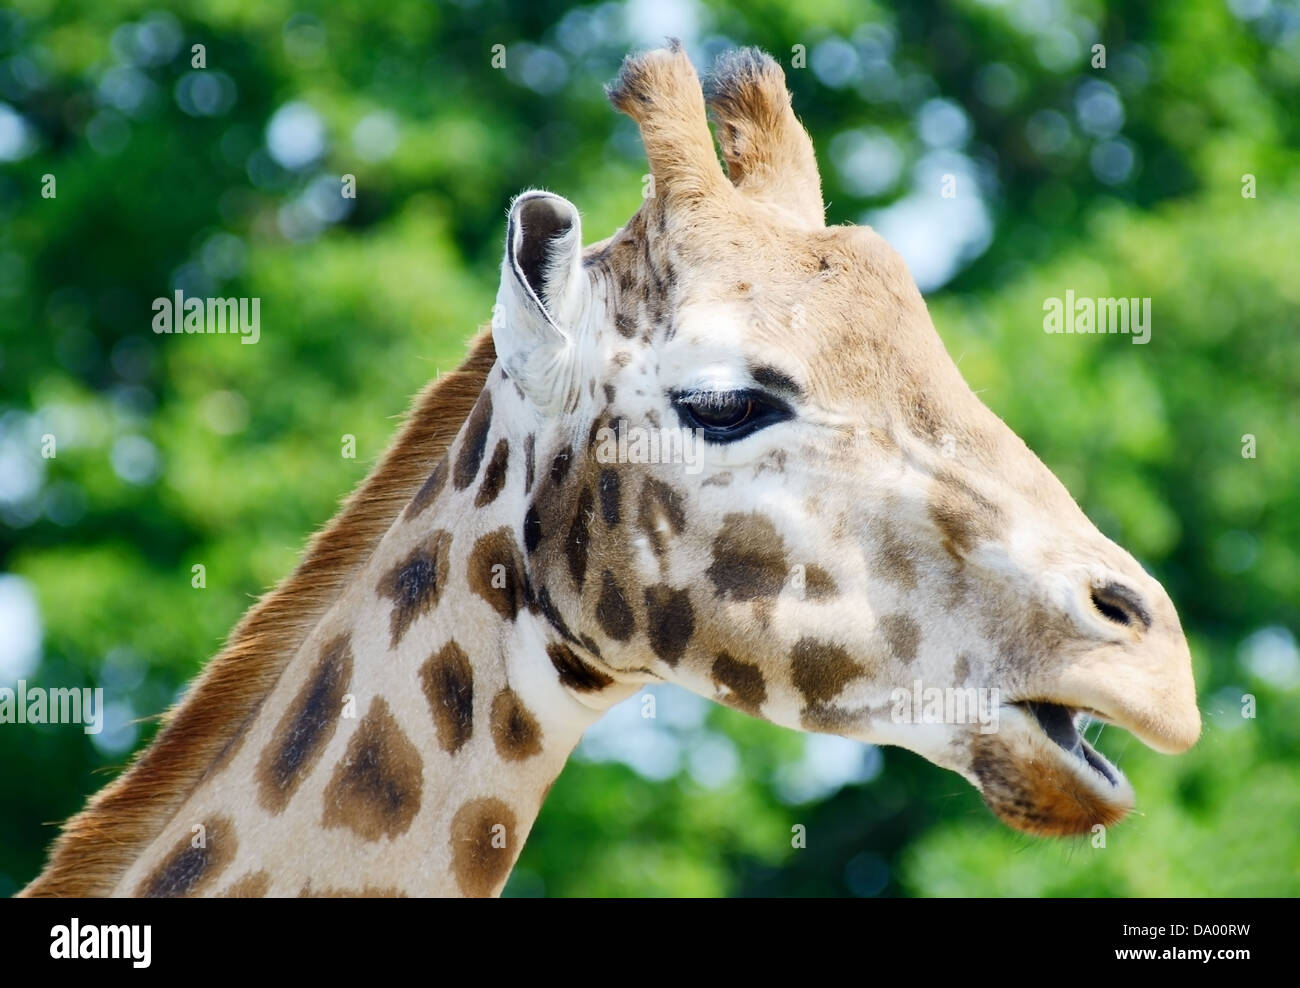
(1039, 775)
(1060, 724)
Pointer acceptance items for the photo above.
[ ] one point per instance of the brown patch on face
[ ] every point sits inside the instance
(496, 572)
(305, 727)
(818, 584)
(474, 442)
(1026, 633)
(902, 634)
(251, 886)
(962, 514)
(610, 393)
(376, 788)
(828, 718)
(821, 671)
(660, 514)
(579, 537)
(530, 462)
(484, 842)
(608, 485)
(448, 682)
(718, 480)
(612, 610)
(748, 558)
(743, 679)
(494, 477)
(670, 621)
(625, 325)
(188, 869)
(961, 671)
(560, 466)
(574, 672)
(515, 730)
(1033, 794)
(894, 559)
(429, 490)
(416, 583)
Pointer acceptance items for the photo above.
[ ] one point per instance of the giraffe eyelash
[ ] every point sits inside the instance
(705, 411)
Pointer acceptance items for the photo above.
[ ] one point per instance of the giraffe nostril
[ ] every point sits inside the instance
(1120, 605)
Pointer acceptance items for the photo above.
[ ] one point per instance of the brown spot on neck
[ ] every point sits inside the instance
(305, 727)
(515, 730)
(484, 841)
(375, 789)
(448, 682)
(474, 442)
(496, 572)
(429, 491)
(194, 863)
(494, 477)
(416, 583)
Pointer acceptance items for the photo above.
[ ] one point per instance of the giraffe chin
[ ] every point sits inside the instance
(1039, 776)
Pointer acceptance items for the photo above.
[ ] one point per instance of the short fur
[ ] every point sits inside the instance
(99, 843)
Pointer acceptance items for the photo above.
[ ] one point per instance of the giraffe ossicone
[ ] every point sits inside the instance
(854, 523)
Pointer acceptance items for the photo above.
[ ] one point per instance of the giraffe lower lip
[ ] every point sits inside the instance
(1057, 722)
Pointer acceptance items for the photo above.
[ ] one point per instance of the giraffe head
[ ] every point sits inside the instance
(759, 475)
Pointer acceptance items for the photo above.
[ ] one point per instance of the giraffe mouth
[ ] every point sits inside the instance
(1060, 724)
(1039, 775)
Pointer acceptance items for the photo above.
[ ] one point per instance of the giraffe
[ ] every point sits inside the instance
(389, 720)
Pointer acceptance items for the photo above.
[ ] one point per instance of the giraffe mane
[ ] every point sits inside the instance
(98, 844)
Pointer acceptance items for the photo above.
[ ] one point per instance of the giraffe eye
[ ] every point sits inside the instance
(725, 416)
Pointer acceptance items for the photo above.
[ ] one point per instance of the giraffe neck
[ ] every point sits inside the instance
(410, 742)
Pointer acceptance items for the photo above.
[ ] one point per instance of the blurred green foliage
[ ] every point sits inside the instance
(1125, 180)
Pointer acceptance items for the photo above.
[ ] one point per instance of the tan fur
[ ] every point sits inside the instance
(769, 155)
(661, 92)
(99, 843)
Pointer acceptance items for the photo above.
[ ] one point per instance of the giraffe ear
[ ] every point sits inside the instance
(541, 296)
